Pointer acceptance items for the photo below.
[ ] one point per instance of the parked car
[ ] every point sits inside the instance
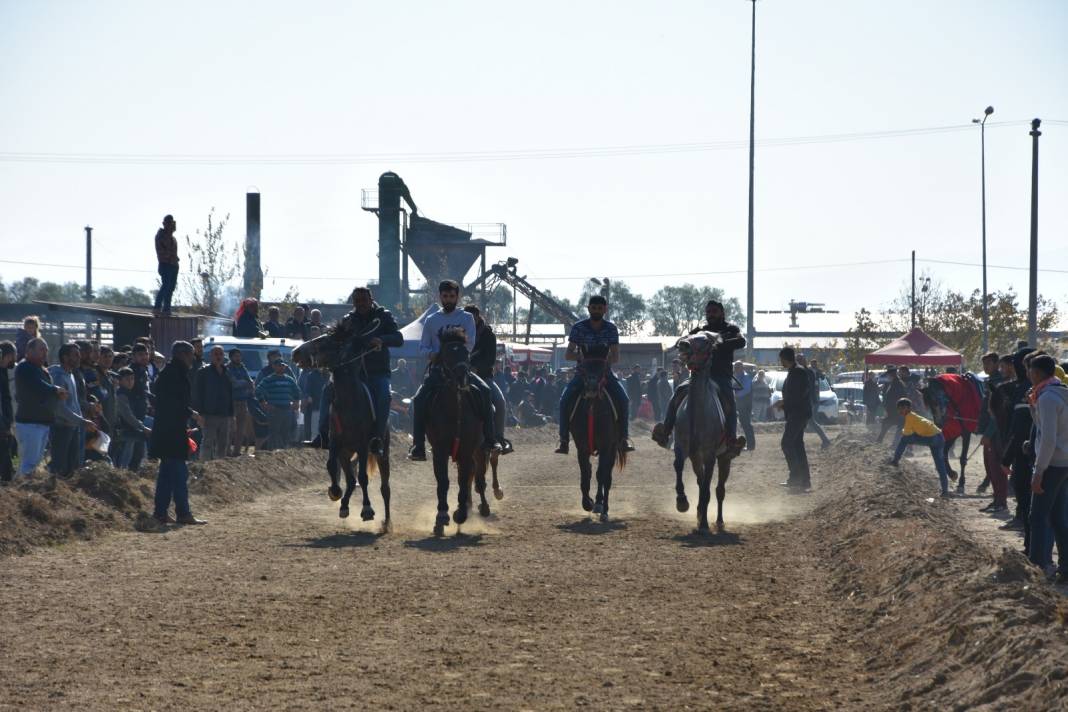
(850, 401)
(253, 351)
(826, 412)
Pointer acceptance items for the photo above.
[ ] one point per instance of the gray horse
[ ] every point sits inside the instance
(701, 433)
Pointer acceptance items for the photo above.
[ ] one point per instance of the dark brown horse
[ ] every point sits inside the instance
(701, 433)
(594, 426)
(454, 430)
(351, 420)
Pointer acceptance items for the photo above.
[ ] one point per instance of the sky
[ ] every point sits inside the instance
(309, 102)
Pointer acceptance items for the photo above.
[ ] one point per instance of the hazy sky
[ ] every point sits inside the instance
(376, 81)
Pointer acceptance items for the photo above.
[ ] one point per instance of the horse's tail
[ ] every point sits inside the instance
(372, 463)
(621, 456)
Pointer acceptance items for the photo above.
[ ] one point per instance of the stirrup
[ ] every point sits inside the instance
(506, 446)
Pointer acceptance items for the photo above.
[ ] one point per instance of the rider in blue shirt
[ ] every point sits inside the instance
(595, 331)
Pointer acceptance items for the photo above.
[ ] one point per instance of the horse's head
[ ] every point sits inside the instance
(594, 367)
(321, 352)
(695, 350)
(936, 399)
(454, 357)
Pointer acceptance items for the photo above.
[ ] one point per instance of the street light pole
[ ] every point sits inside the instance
(982, 152)
(750, 332)
(1032, 295)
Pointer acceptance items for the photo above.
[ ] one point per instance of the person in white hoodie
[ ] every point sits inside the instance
(1049, 508)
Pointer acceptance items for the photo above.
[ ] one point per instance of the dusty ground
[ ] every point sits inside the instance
(862, 595)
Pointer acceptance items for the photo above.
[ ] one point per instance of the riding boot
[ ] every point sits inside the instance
(662, 431)
(418, 450)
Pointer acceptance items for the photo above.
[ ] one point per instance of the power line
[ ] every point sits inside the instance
(478, 156)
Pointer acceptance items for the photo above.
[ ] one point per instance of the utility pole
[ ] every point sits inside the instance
(982, 151)
(88, 263)
(913, 300)
(1032, 296)
(750, 332)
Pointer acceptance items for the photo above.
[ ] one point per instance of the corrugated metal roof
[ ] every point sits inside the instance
(112, 310)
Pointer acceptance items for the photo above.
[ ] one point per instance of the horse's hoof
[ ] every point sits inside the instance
(343, 512)
(702, 528)
(598, 508)
(387, 527)
(498, 493)
(442, 519)
(439, 530)
(459, 516)
(682, 504)
(587, 503)
(367, 514)
(484, 510)
(604, 517)
(334, 493)
(720, 528)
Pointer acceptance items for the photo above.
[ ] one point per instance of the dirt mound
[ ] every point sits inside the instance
(940, 618)
(48, 510)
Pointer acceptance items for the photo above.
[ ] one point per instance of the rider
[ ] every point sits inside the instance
(720, 369)
(430, 344)
(595, 331)
(482, 359)
(371, 331)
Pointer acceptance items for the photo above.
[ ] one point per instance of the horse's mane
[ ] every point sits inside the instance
(452, 333)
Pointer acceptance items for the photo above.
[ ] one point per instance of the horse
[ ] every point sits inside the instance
(700, 433)
(454, 430)
(954, 401)
(352, 422)
(594, 426)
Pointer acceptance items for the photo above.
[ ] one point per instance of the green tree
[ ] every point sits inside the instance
(128, 297)
(861, 339)
(212, 265)
(675, 310)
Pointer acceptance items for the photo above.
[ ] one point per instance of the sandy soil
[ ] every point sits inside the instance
(859, 596)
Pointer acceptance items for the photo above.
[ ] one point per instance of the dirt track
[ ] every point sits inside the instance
(277, 604)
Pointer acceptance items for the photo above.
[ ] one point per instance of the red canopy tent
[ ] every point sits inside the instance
(915, 348)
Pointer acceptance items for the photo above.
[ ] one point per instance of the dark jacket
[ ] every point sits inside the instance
(813, 387)
(893, 391)
(311, 385)
(7, 412)
(871, 395)
(485, 353)
(296, 329)
(127, 426)
(213, 392)
(37, 396)
(987, 425)
(248, 326)
(1020, 420)
(359, 327)
(140, 393)
(274, 329)
(22, 338)
(721, 364)
(241, 384)
(796, 401)
(634, 387)
(169, 438)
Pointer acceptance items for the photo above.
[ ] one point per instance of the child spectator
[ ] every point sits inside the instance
(130, 431)
(917, 430)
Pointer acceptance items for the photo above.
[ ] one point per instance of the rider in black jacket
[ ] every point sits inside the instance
(483, 357)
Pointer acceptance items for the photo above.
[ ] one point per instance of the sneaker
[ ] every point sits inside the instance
(563, 448)
(1060, 578)
(946, 494)
(826, 444)
(164, 520)
(417, 453)
(1013, 525)
(189, 519)
(628, 446)
(998, 508)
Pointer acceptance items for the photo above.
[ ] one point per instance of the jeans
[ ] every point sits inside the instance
(280, 425)
(138, 455)
(1021, 485)
(1049, 519)
(33, 440)
(172, 482)
(793, 448)
(7, 468)
(815, 427)
(937, 444)
(123, 455)
(745, 416)
(381, 396)
(64, 450)
(168, 275)
(615, 390)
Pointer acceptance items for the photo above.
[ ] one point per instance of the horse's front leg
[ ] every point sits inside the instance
(704, 491)
(965, 443)
(334, 491)
(497, 491)
(606, 460)
(350, 482)
(480, 482)
(682, 504)
(585, 475)
(464, 475)
(721, 488)
(383, 472)
(441, 475)
(366, 513)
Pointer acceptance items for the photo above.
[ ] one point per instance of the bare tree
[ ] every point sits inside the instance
(212, 266)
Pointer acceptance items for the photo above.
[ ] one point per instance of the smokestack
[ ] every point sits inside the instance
(253, 271)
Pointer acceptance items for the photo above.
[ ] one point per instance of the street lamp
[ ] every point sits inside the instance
(982, 152)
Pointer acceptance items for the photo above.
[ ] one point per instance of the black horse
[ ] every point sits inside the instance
(454, 429)
(352, 425)
(595, 427)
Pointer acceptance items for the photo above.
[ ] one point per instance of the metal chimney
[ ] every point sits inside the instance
(253, 271)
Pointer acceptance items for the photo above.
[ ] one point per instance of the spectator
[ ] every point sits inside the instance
(167, 257)
(31, 329)
(268, 369)
(917, 430)
(37, 399)
(402, 379)
(744, 401)
(483, 357)
(652, 392)
(296, 326)
(242, 392)
(796, 406)
(761, 397)
(1048, 400)
(169, 440)
(129, 430)
(106, 386)
(213, 398)
(634, 390)
(312, 382)
(314, 332)
(279, 395)
(814, 396)
(1016, 455)
(273, 326)
(679, 375)
(246, 320)
(7, 413)
(517, 391)
(892, 392)
(992, 445)
(66, 436)
(501, 377)
(871, 398)
(139, 397)
(315, 320)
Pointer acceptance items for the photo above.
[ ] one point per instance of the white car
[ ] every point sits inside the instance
(827, 411)
(253, 351)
